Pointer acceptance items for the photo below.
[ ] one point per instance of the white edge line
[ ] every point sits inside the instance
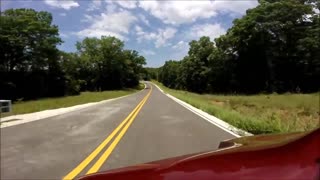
(36, 116)
(208, 117)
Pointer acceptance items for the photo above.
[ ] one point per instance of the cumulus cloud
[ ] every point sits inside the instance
(139, 30)
(235, 7)
(144, 19)
(180, 50)
(159, 37)
(180, 12)
(108, 24)
(196, 31)
(180, 45)
(112, 8)
(94, 5)
(125, 3)
(62, 4)
(211, 30)
(63, 35)
(148, 52)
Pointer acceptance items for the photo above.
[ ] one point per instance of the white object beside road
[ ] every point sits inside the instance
(25, 118)
(5, 106)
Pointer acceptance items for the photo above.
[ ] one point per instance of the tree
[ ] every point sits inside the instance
(195, 67)
(132, 65)
(28, 55)
(266, 41)
(76, 73)
(168, 74)
(275, 47)
(151, 73)
(109, 66)
(32, 67)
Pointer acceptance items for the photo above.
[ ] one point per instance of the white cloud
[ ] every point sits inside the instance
(126, 3)
(111, 7)
(148, 52)
(94, 5)
(180, 12)
(87, 18)
(235, 7)
(180, 45)
(108, 24)
(179, 50)
(98, 33)
(144, 19)
(62, 14)
(63, 35)
(160, 37)
(139, 30)
(62, 3)
(211, 30)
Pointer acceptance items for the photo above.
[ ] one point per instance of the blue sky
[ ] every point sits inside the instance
(158, 30)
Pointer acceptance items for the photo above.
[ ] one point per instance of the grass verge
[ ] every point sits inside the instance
(60, 102)
(258, 114)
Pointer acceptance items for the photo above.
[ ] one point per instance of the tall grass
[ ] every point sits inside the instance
(258, 114)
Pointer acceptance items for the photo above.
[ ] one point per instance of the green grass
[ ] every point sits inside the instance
(258, 114)
(53, 103)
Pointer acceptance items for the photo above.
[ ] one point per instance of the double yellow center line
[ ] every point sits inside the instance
(126, 123)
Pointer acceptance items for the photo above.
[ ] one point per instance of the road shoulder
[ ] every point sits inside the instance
(30, 117)
(212, 119)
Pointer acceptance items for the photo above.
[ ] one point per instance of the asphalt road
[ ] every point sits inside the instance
(68, 146)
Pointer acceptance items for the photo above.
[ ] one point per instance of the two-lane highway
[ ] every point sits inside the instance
(143, 127)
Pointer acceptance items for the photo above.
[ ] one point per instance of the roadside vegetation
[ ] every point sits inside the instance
(22, 107)
(32, 67)
(266, 68)
(258, 114)
(273, 48)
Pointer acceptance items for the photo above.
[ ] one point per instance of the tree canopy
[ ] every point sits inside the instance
(273, 48)
(32, 67)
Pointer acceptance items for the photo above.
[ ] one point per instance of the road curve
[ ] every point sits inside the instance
(143, 127)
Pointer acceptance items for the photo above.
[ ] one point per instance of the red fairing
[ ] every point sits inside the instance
(297, 158)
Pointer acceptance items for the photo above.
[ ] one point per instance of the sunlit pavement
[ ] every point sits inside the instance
(55, 147)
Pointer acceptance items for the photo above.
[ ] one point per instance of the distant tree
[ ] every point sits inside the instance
(168, 74)
(195, 68)
(152, 73)
(133, 63)
(109, 65)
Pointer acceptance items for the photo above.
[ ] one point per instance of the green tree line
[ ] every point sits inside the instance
(32, 67)
(273, 48)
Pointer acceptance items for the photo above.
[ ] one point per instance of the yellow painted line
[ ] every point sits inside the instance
(107, 153)
(86, 161)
